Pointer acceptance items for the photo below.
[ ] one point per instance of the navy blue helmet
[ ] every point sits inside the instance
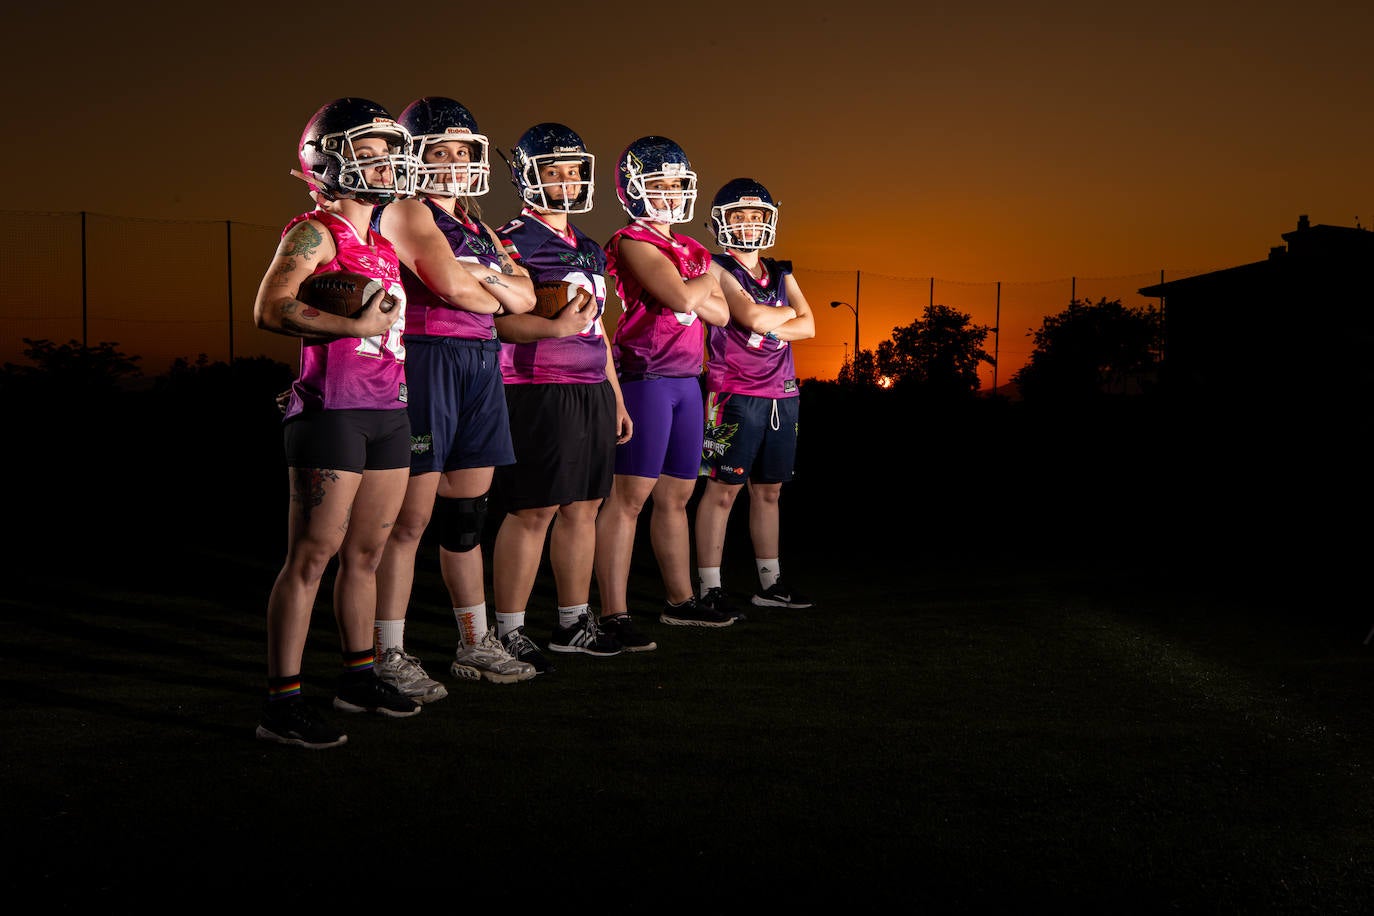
(739, 196)
(330, 163)
(553, 144)
(443, 171)
(650, 159)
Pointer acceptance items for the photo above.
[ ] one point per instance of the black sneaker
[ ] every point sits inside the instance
(584, 636)
(691, 614)
(780, 595)
(627, 634)
(716, 599)
(369, 693)
(524, 649)
(296, 723)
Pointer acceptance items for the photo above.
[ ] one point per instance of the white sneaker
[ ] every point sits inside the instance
(405, 674)
(489, 659)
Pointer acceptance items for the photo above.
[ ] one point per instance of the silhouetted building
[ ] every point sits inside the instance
(1296, 324)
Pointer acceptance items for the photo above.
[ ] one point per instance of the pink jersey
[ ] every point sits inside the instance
(576, 259)
(431, 316)
(741, 361)
(354, 373)
(653, 341)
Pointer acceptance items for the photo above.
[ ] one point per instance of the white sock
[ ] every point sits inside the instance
(388, 634)
(567, 616)
(505, 622)
(710, 578)
(768, 571)
(472, 623)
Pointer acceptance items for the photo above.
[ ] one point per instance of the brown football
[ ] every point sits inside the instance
(550, 296)
(342, 292)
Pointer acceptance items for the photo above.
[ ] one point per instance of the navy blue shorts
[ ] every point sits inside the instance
(564, 445)
(666, 413)
(457, 405)
(749, 438)
(348, 440)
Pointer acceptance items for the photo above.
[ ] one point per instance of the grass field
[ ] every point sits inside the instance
(1091, 720)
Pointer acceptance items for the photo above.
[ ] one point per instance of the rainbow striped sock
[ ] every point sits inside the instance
(284, 688)
(359, 663)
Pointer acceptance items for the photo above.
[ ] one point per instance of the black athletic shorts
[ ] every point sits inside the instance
(564, 445)
(348, 440)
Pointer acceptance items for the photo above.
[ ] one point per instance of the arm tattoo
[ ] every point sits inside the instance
(303, 241)
(308, 486)
(283, 271)
(293, 326)
(496, 281)
(507, 267)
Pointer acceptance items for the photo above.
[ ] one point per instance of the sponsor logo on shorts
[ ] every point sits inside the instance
(421, 445)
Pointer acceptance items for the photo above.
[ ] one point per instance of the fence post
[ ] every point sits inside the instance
(83, 279)
(229, 264)
(996, 335)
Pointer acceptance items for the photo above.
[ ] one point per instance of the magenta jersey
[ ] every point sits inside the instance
(740, 361)
(653, 341)
(431, 316)
(548, 255)
(354, 373)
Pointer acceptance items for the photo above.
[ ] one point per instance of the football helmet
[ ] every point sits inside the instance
(549, 144)
(743, 194)
(331, 165)
(433, 120)
(655, 159)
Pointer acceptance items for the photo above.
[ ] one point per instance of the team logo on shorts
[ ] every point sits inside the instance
(421, 445)
(718, 438)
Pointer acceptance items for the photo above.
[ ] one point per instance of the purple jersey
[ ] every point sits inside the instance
(741, 361)
(431, 316)
(354, 373)
(653, 341)
(549, 255)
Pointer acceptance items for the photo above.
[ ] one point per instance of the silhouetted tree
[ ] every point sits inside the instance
(1090, 350)
(938, 354)
(73, 368)
(862, 371)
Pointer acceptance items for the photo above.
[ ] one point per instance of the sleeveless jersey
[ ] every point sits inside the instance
(740, 361)
(651, 340)
(547, 255)
(430, 316)
(354, 373)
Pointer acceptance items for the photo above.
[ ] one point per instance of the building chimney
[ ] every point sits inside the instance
(1303, 223)
(1277, 252)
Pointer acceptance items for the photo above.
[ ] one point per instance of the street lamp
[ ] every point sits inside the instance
(836, 304)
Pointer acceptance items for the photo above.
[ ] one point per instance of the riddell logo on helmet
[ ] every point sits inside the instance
(457, 130)
(751, 200)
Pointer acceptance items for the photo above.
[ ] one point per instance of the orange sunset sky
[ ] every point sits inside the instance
(992, 141)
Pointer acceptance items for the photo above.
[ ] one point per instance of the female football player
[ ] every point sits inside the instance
(346, 431)
(457, 279)
(752, 392)
(567, 413)
(668, 291)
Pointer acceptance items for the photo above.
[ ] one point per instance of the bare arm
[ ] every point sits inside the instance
(698, 295)
(276, 308)
(511, 284)
(426, 252)
(744, 311)
(803, 327)
(624, 426)
(527, 328)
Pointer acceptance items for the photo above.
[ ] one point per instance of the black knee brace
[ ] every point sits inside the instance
(461, 521)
